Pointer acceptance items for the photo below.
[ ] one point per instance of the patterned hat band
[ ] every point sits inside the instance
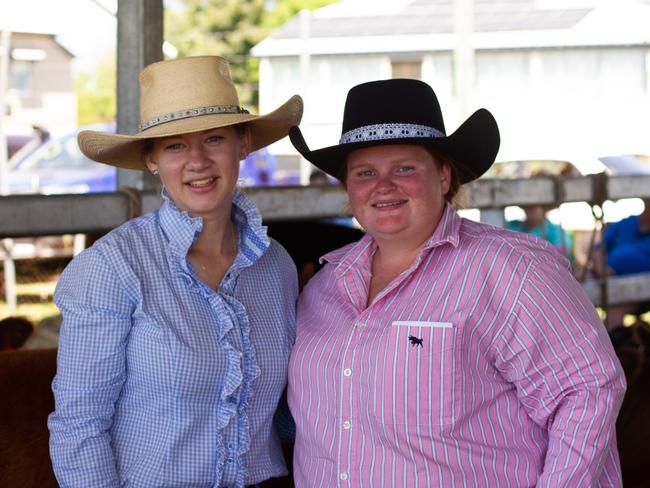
(380, 132)
(192, 112)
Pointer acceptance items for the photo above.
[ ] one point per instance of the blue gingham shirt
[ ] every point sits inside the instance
(161, 381)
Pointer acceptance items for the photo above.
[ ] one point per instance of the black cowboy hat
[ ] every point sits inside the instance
(403, 111)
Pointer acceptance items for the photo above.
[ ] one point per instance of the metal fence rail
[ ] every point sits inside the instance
(40, 215)
(35, 215)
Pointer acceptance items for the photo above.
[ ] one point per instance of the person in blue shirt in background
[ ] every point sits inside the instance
(177, 325)
(538, 225)
(626, 245)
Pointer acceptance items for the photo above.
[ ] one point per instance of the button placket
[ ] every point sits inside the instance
(345, 418)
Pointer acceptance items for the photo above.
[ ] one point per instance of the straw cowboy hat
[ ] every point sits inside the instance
(187, 95)
(402, 111)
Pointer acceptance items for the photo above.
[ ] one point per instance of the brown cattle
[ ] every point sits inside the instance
(27, 400)
(632, 345)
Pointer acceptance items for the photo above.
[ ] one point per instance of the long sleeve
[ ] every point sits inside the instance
(163, 381)
(90, 372)
(557, 354)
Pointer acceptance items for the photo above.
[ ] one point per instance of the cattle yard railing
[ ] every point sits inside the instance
(44, 215)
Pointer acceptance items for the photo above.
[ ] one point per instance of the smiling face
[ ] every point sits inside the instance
(200, 170)
(397, 191)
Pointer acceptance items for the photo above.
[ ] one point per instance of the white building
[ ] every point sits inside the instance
(48, 43)
(562, 77)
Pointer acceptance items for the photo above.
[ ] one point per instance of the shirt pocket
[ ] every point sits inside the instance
(418, 376)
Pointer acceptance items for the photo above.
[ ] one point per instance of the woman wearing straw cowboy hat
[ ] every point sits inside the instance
(177, 325)
(437, 351)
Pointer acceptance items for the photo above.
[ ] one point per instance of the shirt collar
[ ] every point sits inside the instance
(360, 253)
(447, 230)
(253, 237)
(182, 229)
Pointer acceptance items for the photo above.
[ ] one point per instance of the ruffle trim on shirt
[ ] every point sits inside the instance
(241, 371)
(251, 372)
(227, 409)
(254, 240)
(180, 227)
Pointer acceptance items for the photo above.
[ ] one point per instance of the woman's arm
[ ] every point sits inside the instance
(557, 354)
(90, 371)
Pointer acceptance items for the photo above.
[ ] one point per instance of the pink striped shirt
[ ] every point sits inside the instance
(483, 364)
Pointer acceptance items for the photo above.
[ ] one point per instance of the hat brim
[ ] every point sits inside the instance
(472, 148)
(126, 151)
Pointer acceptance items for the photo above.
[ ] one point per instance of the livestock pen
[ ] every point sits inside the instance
(293, 215)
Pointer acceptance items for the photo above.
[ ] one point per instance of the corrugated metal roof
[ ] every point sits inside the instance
(436, 17)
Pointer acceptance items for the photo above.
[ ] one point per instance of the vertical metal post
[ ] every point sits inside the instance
(493, 216)
(11, 298)
(647, 71)
(5, 41)
(6, 245)
(139, 43)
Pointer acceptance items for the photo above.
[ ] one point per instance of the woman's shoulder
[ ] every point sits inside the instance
(513, 247)
(275, 261)
(137, 231)
(278, 253)
(130, 242)
(274, 265)
(120, 256)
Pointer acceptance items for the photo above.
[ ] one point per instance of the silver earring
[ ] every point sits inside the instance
(154, 172)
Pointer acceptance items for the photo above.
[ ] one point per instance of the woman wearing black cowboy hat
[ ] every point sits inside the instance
(177, 325)
(437, 351)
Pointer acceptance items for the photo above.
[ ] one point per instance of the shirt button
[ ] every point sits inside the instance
(347, 372)
(343, 476)
(359, 324)
(229, 460)
(347, 424)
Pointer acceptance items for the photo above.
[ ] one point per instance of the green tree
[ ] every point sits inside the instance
(96, 94)
(283, 10)
(230, 28)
